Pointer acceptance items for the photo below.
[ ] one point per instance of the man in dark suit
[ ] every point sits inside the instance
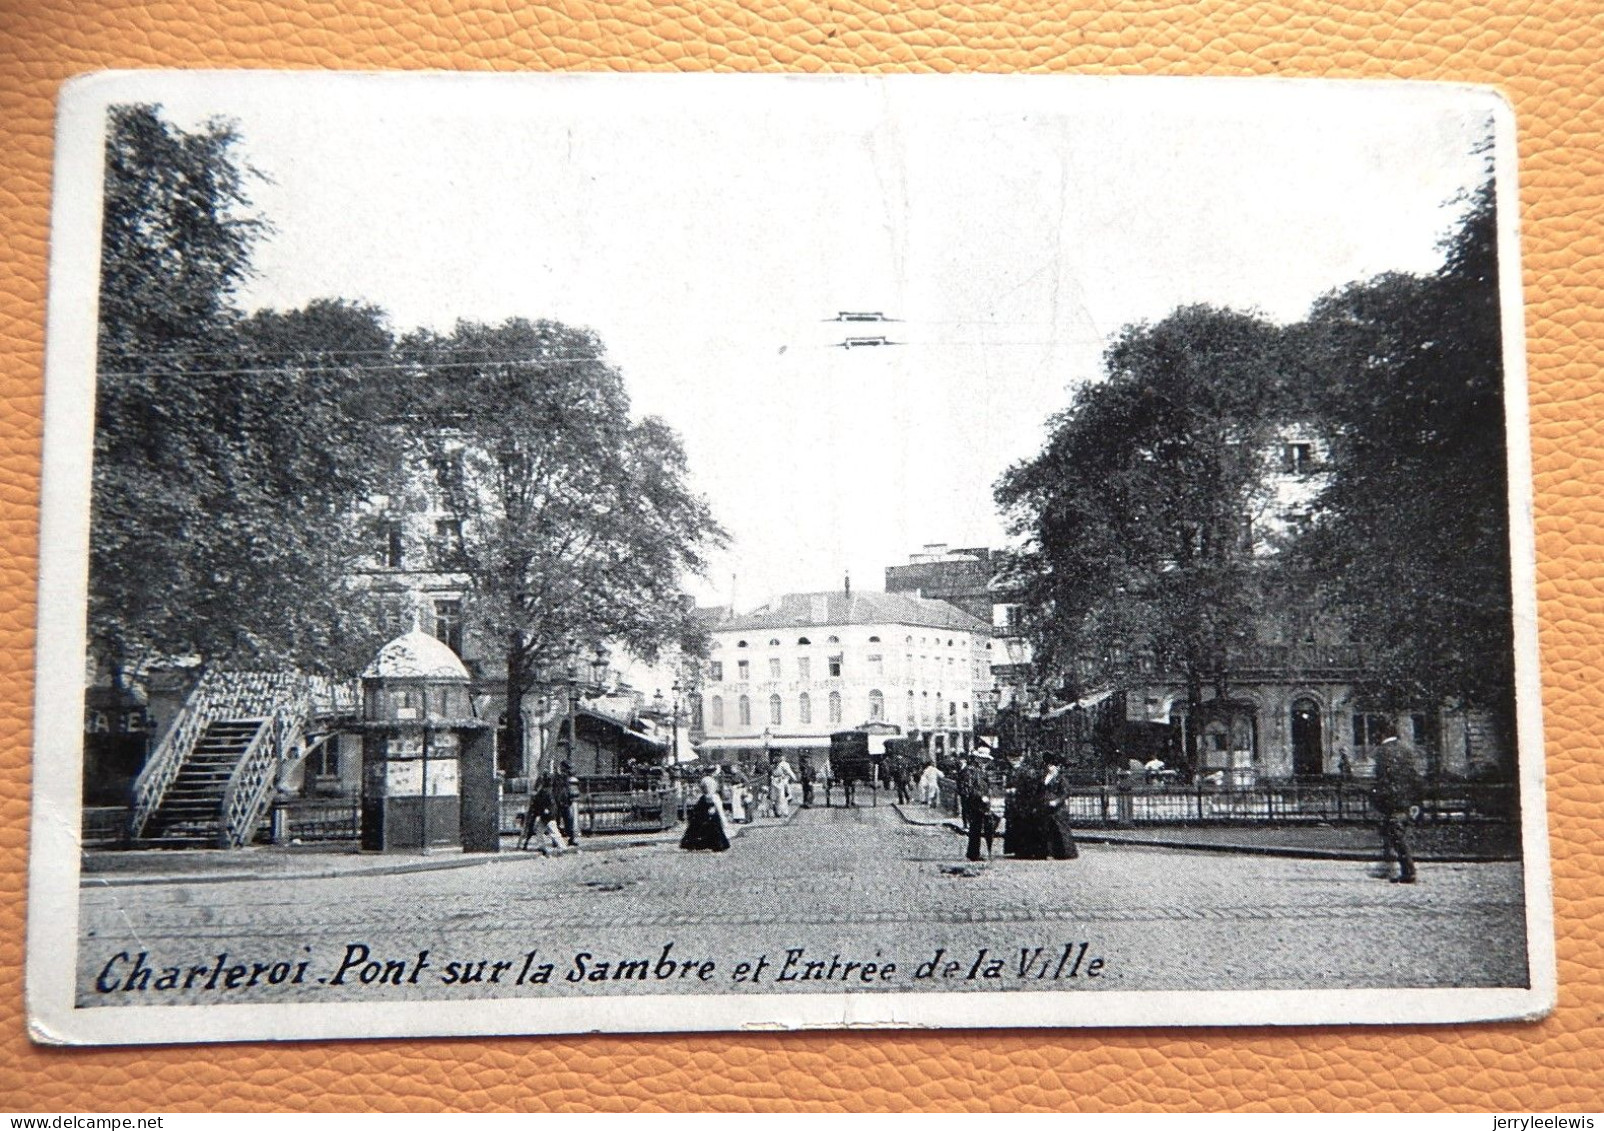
(974, 804)
(1396, 794)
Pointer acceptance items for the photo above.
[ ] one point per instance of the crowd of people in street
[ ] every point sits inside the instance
(1023, 805)
(1034, 823)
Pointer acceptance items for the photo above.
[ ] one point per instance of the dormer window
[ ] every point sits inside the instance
(1297, 459)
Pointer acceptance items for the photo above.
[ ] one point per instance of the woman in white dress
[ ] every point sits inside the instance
(781, 775)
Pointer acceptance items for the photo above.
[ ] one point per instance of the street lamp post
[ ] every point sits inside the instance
(673, 745)
(597, 685)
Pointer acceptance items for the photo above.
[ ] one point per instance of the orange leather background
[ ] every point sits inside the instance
(1548, 56)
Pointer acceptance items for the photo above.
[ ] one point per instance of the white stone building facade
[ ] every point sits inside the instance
(786, 676)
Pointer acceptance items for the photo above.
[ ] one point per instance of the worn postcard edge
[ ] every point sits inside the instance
(54, 879)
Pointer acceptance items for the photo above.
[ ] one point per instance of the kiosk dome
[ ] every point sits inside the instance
(417, 655)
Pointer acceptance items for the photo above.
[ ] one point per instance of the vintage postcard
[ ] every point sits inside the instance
(609, 553)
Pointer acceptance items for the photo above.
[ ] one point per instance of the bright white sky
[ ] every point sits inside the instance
(706, 226)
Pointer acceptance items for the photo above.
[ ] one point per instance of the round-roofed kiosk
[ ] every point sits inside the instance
(428, 765)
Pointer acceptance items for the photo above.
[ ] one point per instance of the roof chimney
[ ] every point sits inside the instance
(849, 583)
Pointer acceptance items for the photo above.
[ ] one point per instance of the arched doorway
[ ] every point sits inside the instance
(1308, 751)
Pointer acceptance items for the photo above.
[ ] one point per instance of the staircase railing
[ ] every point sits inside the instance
(250, 787)
(250, 790)
(218, 695)
(162, 768)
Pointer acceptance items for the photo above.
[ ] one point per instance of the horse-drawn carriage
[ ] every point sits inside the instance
(871, 755)
(852, 764)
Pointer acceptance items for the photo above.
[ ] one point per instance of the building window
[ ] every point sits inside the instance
(1417, 727)
(448, 551)
(1297, 459)
(804, 709)
(718, 713)
(448, 624)
(952, 711)
(876, 667)
(715, 671)
(1244, 533)
(325, 760)
(743, 670)
(774, 643)
(874, 640)
(835, 707)
(743, 710)
(833, 640)
(1006, 617)
(877, 707)
(1370, 729)
(696, 712)
(774, 710)
(804, 668)
(447, 474)
(774, 667)
(835, 666)
(913, 713)
(392, 554)
(803, 641)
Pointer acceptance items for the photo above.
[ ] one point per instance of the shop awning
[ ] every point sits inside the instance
(776, 742)
(1083, 704)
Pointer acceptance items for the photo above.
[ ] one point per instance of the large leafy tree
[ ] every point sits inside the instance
(226, 451)
(1414, 525)
(1136, 519)
(578, 524)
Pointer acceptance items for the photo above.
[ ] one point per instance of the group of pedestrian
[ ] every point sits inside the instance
(551, 820)
(708, 824)
(1035, 820)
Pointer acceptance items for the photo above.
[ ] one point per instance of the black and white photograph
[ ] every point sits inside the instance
(626, 553)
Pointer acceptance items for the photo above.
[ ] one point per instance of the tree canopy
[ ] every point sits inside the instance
(1137, 518)
(234, 453)
(1414, 526)
(577, 523)
(226, 449)
(1128, 518)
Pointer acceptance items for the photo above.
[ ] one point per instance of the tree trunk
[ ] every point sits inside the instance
(1194, 719)
(517, 684)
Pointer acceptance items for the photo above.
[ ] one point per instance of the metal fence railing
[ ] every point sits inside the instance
(625, 807)
(1277, 803)
(309, 819)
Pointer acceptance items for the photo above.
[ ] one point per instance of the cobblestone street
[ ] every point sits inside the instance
(862, 887)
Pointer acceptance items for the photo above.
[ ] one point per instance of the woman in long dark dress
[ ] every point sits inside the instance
(1027, 837)
(1057, 838)
(704, 822)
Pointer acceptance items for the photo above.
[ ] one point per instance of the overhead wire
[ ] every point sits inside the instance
(289, 363)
